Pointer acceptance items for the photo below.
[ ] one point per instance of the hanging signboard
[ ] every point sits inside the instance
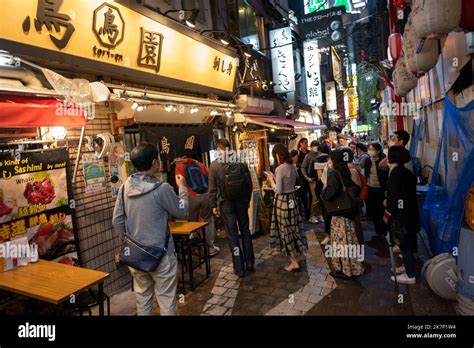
(325, 26)
(282, 60)
(34, 203)
(313, 74)
(331, 100)
(117, 39)
(352, 102)
(321, 5)
(94, 173)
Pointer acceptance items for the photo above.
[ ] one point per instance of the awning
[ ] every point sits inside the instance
(281, 121)
(39, 112)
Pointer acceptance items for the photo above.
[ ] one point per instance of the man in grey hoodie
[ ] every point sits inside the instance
(148, 204)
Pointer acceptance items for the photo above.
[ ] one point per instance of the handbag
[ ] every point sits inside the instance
(396, 230)
(344, 202)
(138, 256)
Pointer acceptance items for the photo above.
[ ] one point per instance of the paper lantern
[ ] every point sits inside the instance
(435, 18)
(405, 79)
(400, 3)
(426, 59)
(395, 45)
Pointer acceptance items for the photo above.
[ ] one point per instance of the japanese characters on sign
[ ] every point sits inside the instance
(48, 15)
(150, 50)
(222, 66)
(331, 101)
(282, 60)
(35, 204)
(108, 25)
(313, 75)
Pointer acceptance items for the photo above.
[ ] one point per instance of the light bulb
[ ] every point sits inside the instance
(134, 106)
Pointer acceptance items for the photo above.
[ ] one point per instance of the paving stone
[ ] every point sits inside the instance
(220, 282)
(231, 293)
(325, 291)
(216, 310)
(231, 276)
(265, 257)
(218, 290)
(229, 303)
(303, 306)
(312, 289)
(217, 300)
(231, 284)
(314, 298)
(301, 296)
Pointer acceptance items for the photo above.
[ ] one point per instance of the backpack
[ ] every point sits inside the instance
(235, 181)
(364, 189)
(195, 178)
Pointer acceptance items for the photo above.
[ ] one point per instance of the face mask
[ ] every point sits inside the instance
(372, 153)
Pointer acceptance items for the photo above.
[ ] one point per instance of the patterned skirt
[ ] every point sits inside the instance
(348, 253)
(287, 230)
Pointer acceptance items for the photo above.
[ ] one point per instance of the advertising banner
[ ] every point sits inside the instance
(34, 203)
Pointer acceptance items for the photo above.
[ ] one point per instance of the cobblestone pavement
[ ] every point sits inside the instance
(271, 290)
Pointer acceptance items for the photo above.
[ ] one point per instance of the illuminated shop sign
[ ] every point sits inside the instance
(282, 60)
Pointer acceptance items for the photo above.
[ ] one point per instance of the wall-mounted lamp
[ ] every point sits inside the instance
(224, 37)
(189, 17)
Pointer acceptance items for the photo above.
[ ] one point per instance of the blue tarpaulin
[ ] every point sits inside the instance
(453, 172)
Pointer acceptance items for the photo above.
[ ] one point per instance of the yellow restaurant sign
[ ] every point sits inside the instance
(111, 33)
(353, 102)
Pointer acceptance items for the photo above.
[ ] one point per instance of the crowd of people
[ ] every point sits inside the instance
(337, 183)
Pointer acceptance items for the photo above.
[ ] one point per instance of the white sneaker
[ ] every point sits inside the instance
(404, 279)
(396, 249)
(326, 240)
(400, 270)
(313, 220)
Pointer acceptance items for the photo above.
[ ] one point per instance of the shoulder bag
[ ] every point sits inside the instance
(138, 256)
(344, 202)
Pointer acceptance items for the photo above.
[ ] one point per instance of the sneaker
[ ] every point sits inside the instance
(214, 250)
(396, 249)
(400, 270)
(313, 220)
(404, 279)
(326, 240)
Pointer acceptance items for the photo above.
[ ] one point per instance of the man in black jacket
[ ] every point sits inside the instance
(230, 192)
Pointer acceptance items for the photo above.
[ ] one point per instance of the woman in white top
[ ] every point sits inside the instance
(286, 231)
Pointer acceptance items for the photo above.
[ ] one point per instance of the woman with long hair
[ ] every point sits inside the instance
(347, 254)
(286, 231)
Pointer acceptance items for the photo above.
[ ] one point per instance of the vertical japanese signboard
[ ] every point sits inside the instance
(331, 100)
(34, 203)
(282, 60)
(313, 75)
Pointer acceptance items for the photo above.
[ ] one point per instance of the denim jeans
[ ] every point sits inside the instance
(236, 213)
(163, 282)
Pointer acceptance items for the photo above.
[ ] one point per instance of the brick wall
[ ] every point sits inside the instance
(98, 241)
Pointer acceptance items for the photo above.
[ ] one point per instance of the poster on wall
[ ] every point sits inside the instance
(34, 203)
(94, 173)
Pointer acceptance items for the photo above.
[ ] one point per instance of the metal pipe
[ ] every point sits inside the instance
(79, 152)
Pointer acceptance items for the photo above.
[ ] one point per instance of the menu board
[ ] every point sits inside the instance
(34, 202)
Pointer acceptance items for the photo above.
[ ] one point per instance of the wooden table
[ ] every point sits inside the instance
(52, 282)
(184, 230)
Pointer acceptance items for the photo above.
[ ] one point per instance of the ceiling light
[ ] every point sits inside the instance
(235, 128)
(194, 109)
(140, 108)
(229, 114)
(134, 105)
(214, 113)
(168, 108)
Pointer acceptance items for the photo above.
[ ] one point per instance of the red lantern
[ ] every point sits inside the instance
(395, 45)
(400, 3)
(467, 19)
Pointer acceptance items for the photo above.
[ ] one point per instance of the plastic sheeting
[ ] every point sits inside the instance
(453, 175)
(417, 135)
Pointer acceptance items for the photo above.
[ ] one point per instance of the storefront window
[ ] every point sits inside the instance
(248, 25)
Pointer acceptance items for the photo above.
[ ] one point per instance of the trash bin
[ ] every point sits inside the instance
(466, 263)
